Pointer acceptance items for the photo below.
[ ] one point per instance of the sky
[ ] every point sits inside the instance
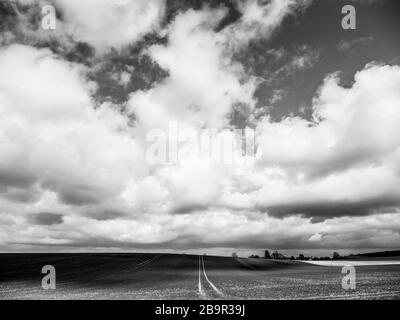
(93, 110)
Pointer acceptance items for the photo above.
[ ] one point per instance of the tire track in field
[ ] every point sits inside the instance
(137, 267)
(146, 262)
(214, 290)
(245, 264)
(201, 291)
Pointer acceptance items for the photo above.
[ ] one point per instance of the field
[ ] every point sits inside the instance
(169, 276)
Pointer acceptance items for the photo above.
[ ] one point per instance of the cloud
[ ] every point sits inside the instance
(329, 181)
(212, 229)
(46, 219)
(315, 237)
(260, 19)
(51, 135)
(347, 44)
(105, 23)
(350, 125)
(345, 161)
(199, 59)
(201, 76)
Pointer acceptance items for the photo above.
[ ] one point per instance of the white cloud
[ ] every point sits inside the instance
(61, 155)
(351, 125)
(316, 237)
(260, 19)
(105, 23)
(203, 83)
(51, 135)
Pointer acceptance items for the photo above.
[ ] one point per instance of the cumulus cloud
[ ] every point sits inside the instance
(106, 23)
(103, 24)
(350, 125)
(73, 173)
(345, 160)
(51, 135)
(201, 77)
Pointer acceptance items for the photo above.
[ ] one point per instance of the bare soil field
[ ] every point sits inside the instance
(173, 276)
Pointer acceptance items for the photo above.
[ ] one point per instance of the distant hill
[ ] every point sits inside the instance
(383, 254)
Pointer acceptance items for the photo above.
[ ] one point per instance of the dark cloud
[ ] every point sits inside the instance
(185, 208)
(7, 16)
(104, 215)
(320, 211)
(189, 242)
(46, 218)
(15, 178)
(74, 193)
(18, 186)
(21, 195)
(79, 196)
